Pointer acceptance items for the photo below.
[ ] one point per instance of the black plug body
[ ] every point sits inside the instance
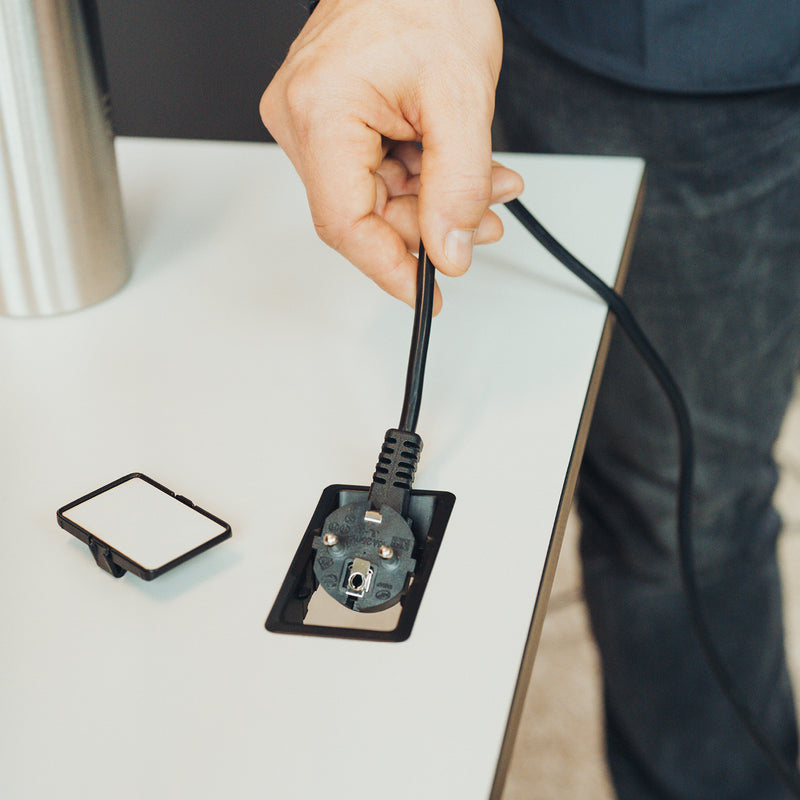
(364, 553)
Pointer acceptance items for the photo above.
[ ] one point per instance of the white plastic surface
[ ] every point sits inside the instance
(144, 523)
(249, 366)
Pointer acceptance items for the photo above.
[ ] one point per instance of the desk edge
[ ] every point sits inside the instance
(559, 527)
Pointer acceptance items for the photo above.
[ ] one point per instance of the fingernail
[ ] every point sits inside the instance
(508, 197)
(507, 187)
(458, 248)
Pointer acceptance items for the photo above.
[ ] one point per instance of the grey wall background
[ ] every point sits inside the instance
(194, 68)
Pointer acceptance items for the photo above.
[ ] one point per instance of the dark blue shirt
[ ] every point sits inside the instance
(674, 45)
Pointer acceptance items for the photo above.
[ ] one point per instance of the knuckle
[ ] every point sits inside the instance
(331, 232)
(335, 227)
(298, 95)
(303, 90)
(266, 106)
(472, 192)
(292, 95)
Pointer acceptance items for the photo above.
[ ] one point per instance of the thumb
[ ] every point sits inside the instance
(455, 178)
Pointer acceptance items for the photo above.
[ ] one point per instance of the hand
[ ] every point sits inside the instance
(362, 85)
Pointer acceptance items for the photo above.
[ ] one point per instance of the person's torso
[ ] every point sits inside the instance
(674, 45)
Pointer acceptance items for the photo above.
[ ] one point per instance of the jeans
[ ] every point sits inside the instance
(715, 282)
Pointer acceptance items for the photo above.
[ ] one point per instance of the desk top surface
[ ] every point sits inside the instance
(246, 366)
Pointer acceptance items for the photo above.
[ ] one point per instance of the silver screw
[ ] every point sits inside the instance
(330, 539)
(384, 551)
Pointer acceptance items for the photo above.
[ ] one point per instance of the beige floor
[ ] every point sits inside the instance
(558, 753)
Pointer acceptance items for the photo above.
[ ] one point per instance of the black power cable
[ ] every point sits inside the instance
(421, 334)
(370, 543)
(400, 452)
(626, 320)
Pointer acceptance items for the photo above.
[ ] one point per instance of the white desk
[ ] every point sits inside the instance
(247, 367)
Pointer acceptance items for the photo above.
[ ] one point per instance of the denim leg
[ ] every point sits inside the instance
(715, 282)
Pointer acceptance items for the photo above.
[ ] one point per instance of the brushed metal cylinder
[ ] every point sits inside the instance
(62, 234)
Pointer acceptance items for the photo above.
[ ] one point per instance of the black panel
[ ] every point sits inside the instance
(194, 68)
(429, 513)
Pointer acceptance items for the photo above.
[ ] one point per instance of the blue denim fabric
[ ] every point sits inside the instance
(674, 45)
(715, 282)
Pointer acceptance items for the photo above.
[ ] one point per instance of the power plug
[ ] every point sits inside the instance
(364, 553)
(363, 557)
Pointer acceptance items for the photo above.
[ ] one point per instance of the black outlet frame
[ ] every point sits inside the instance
(429, 512)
